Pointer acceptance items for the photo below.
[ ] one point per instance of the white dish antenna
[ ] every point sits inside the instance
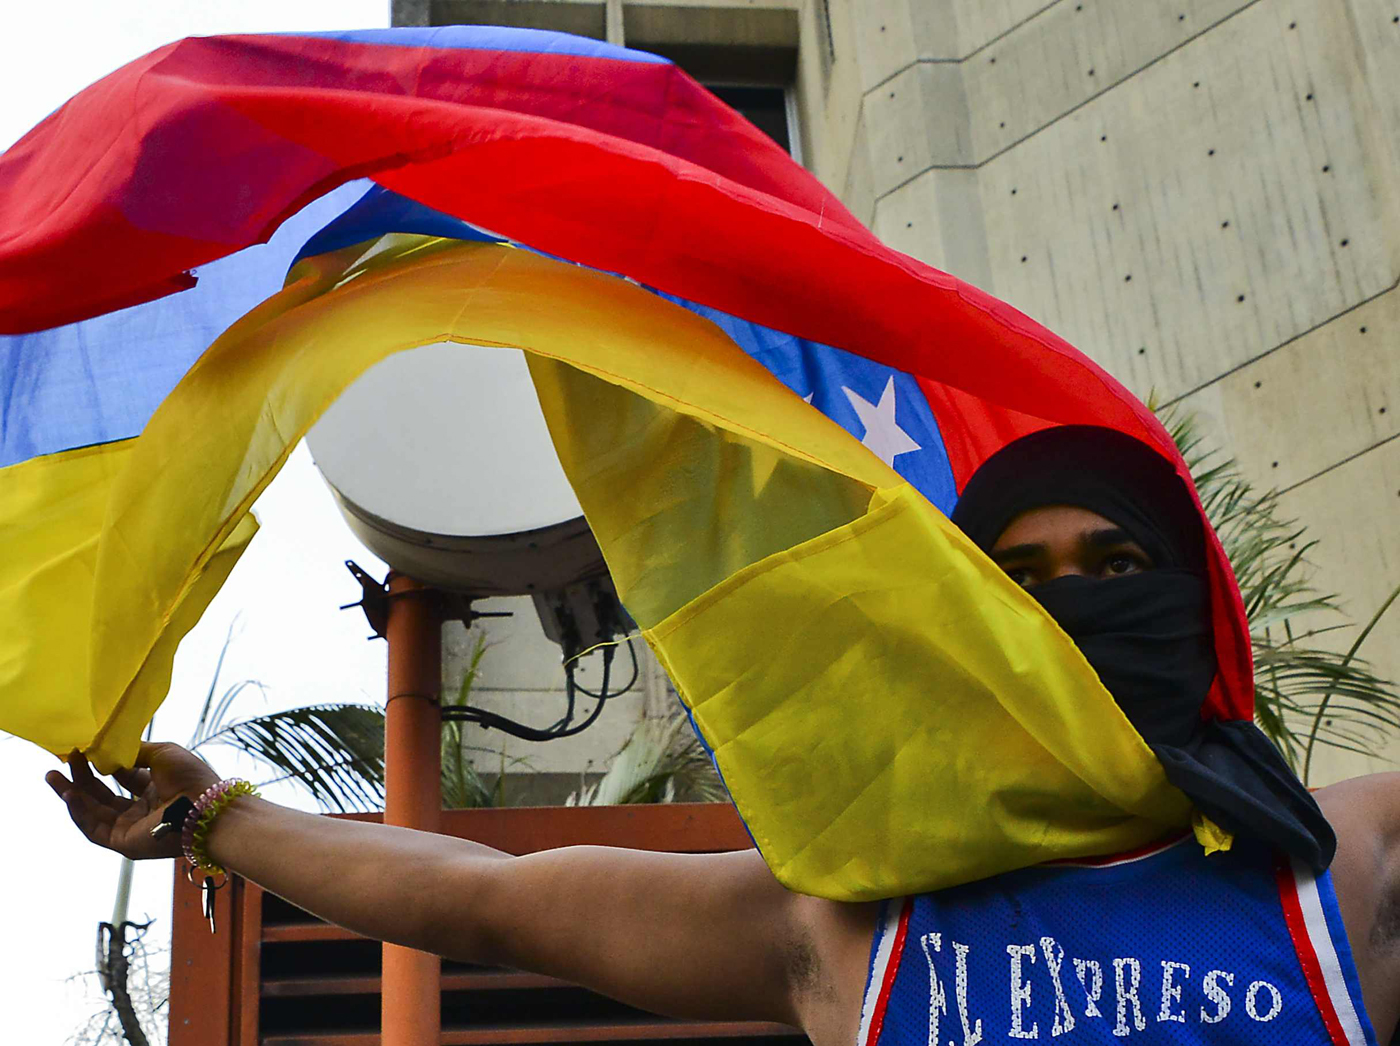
(442, 464)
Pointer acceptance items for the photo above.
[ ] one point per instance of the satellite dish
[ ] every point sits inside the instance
(442, 464)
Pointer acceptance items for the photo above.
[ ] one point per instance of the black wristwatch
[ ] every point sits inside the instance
(173, 820)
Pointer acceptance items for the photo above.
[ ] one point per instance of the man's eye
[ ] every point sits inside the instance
(1021, 575)
(1121, 563)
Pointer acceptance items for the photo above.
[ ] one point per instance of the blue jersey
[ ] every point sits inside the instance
(1165, 945)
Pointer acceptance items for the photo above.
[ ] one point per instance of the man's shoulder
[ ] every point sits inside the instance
(1365, 809)
(1365, 812)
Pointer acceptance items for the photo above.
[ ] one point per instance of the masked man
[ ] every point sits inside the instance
(1291, 936)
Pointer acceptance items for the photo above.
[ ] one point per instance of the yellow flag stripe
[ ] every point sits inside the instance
(890, 711)
(51, 517)
(216, 441)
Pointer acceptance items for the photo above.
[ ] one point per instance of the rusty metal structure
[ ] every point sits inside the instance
(277, 976)
(412, 790)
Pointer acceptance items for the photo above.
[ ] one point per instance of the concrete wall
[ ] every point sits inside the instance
(1200, 194)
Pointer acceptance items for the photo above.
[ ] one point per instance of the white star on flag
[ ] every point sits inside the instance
(885, 438)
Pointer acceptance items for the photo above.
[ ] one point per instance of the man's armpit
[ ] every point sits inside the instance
(1385, 931)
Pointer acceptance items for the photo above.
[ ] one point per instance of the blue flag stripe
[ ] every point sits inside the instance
(100, 380)
(489, 38)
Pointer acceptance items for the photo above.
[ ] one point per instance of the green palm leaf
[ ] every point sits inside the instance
(1305, 694)
(462, 787)
(661, 759)
(335, 751)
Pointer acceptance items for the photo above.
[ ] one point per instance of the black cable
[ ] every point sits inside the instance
(488, 720)
(561, 728)
(571, 692)
(603, 694)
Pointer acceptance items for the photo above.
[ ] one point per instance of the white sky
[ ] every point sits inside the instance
(284, 593)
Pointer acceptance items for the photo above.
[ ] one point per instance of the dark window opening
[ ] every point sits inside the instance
(754, 76)
(765, 107)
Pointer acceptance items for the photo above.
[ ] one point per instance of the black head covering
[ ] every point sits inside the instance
(1148, 634)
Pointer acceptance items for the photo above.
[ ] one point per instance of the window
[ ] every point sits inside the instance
(747, 56)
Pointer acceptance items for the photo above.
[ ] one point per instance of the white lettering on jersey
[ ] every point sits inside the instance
(1091, 995)
(937, 998)
(1054, 959)
(1263, 1001)
(972, 1035)
(1216, 994)
(1128, 993)
(1020, 990)
(1251, 1001)
(1172, 992)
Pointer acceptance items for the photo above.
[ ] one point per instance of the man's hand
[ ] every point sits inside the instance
(163, 773)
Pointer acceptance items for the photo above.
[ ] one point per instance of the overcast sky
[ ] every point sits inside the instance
(283, 594)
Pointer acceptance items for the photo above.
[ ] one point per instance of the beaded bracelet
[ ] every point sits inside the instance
(194, 837)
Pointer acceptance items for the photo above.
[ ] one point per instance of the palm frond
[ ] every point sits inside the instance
(462, 787)
(214, 710)
(335, 751)
(206, 710)
(660, 760)
(1366, 707)
(220, 709)
(1304, 695)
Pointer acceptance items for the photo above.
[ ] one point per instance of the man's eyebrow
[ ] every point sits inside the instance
(1003, 555)
(1108, 536)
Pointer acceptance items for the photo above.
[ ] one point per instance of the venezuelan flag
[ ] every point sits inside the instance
(187, 281)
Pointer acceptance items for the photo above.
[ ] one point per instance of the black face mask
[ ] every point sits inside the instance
(1148, 635)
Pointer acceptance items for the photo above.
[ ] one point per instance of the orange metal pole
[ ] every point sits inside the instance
(411, 985)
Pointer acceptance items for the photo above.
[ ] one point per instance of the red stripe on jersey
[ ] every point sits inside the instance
(1126, 857)
(877, 1020)
(1307, 954)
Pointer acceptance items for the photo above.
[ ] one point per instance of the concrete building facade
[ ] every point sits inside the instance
(1202, 195)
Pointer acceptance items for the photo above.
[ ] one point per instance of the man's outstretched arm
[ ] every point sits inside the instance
(691, 935)
(703, 935)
